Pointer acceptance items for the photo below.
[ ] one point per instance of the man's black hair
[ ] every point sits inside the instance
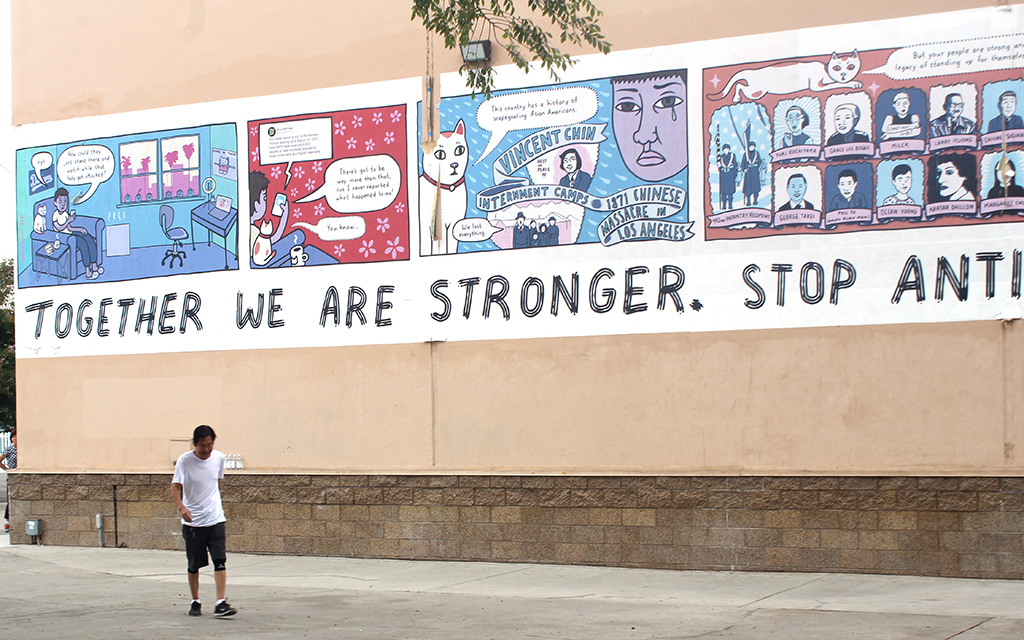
(258, 183)
(848, 173)
(203, 431)
(899, 170)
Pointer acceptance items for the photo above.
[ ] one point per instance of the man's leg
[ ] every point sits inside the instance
(195, 545)
(220, 578)
(218, 548)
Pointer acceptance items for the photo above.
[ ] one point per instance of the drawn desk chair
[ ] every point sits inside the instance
(175, 234)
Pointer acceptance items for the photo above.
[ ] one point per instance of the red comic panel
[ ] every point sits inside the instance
(328, 188)
(853, 141)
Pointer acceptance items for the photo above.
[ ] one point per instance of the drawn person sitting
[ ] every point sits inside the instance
(903, 124)
(520, 234)
(902, 180)
(726, 177)
(259, 185)
(796, 121)
(796, 187)
(847, 116)
(64, 221)
(574, 177)
(1006, 119)
(952, 121)
(955, 178)
(848, 196)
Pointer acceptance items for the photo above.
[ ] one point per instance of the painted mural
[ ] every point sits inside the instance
(603, 161)
(328, 188)
(864, 177)
(921, 137)
(128, 207)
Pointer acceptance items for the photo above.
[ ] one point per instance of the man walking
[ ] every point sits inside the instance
(196, 491)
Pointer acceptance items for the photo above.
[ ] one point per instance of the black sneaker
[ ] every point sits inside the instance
(196, 610)
(223, 610)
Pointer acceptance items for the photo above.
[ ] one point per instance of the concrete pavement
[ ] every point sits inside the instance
(75, 592)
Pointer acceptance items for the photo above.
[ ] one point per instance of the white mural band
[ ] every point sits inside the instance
(867, 175)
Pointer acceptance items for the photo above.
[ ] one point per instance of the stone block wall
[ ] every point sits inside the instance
(937, 526)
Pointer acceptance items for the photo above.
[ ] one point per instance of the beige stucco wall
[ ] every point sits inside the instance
(936, 399)
(75, 59)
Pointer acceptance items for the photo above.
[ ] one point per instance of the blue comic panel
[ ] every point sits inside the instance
(602, 161)
(128, 207)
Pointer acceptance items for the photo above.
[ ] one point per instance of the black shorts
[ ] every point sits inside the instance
(198, 540)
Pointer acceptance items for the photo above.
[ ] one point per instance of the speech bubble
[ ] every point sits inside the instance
(90, 164)
(946, 58)
(474, 230)
(358, 185)
(40, 161)
(534, 110)
(337, 229)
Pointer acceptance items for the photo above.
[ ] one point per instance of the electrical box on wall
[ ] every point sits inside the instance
(32, 527)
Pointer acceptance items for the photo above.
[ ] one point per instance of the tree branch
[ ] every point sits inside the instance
(522, 39)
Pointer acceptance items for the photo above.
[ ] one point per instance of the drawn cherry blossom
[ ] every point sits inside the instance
(351, 142)
(400, 207)
(369, 145)
(275, 173)
(383, 225)
(296, 211)
(339, 128)
(310, 184)
(297, 172)
(295, 193)
(338, 250)
(357, 121)
(378, 118)
(318, 167)
(319, 209)
(254, 130)
(396, 115)
(256, 154)
(394, 248)
(367, 248)
(389, 137)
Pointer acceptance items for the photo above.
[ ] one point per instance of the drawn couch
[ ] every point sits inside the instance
(95, 227)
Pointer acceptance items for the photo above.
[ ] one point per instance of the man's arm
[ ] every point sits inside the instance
(3, 456)
(186, 515)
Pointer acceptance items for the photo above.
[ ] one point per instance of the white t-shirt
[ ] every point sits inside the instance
(200, 487)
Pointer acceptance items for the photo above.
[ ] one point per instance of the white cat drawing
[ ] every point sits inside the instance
(443, 182)
(39, 222)
(790, 78)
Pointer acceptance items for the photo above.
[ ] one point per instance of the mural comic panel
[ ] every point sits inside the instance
(328, 188)
(918, 137)
(128, 207)
(603, 161)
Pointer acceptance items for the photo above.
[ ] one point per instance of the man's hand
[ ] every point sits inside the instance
(186, 515)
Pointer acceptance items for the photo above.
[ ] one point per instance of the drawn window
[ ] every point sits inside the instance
(160, 169)
(139, 171)
(180, 166)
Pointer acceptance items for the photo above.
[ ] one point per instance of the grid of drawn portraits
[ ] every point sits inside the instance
(834, 144)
